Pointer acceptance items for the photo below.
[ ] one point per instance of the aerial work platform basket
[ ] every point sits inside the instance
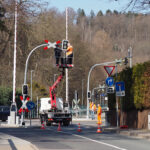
(64, 63)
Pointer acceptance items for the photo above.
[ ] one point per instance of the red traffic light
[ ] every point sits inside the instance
(45, 48)
(58, 42)
(46, 41)
(21, 97)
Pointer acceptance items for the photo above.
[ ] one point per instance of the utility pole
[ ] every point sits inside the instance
(67, 86)
(31, 84)
(117, 99)
(130, 56)
(31, 98)
(37, 107)
(12, 118)
(82, 91)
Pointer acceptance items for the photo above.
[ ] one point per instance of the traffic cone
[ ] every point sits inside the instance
(59, 128)
(99, 129)
(42, 125)
(79, 129)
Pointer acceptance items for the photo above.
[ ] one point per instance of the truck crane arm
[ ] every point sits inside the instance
(52, 91)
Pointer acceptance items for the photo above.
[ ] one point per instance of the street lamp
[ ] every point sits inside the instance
(88, 81)
(31, 83)
(82, 90)
(48, 45)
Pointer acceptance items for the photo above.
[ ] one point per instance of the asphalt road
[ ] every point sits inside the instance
(70, 139)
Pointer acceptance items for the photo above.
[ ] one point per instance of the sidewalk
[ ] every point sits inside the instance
(8, 142)
(136, 133)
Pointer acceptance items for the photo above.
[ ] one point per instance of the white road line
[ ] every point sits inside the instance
(110, 145)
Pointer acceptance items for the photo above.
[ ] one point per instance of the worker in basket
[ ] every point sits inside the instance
(57, 52)
(69, 54)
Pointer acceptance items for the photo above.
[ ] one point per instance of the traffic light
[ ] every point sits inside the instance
(89, 94)
(25, 89)
(125, 61)
(65, 44)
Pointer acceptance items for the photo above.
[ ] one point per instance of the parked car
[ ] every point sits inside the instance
(4, 112)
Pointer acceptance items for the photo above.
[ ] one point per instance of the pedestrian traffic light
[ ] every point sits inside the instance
(89, 94)
(125, 61)
(65, 44)
(25, 89)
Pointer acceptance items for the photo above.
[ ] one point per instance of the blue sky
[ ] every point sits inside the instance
(89, 5)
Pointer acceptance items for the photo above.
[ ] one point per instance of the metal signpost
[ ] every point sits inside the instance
(120, 91)
(30, 105)
(88, 86)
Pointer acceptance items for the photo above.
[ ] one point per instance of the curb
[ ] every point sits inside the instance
(132, 133)
(17, 143)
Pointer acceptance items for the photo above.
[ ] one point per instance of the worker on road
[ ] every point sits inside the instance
(99, 112)
(93, 110)
(69, 54)
(90, 106)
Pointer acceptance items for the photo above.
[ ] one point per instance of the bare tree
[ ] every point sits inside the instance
(138, 4)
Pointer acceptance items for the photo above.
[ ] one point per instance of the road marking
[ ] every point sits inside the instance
(110, 145)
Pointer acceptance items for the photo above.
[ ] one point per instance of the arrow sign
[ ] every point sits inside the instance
(109, 69)
(109, 81)
(30, 105)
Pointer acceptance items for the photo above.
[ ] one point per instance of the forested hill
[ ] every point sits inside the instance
(96, 38)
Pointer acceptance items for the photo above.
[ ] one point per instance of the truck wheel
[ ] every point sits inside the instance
(66, 123)
(48, 123)
(42, 119)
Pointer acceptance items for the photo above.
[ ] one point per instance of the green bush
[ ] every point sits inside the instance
(6, 96)
(137, 88)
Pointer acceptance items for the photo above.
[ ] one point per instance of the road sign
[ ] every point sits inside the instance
(110, 90)
(76, 102)
(109, 69)
(24, 104)
(109, 81)
(102, 94)
(120, 88)
(30, 105)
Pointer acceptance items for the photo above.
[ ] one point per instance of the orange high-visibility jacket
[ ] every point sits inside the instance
(94, 107)
(90, 105)
(99, 112)
(69, 50)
